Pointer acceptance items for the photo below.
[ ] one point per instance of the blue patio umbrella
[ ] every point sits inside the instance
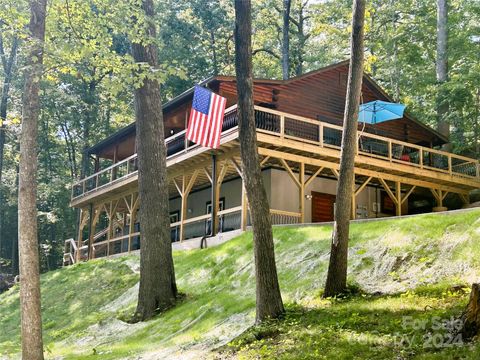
(378, 111)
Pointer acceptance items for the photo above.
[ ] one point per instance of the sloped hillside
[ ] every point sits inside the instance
(84, 305)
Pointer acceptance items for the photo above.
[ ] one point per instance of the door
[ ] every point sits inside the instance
(322, 207)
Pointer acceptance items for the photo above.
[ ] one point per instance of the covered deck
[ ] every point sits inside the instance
(305, 148)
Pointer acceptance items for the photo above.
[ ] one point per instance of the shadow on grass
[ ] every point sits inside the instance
(403, 326)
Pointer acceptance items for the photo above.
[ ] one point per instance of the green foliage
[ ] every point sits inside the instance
(90, 75)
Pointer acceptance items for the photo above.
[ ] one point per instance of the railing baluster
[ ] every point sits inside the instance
(320, 134)
(282, 126)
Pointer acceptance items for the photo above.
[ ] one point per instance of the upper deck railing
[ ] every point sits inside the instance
(289, 126)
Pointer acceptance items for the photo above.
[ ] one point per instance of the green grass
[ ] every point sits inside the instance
(429, 253)
(361, 327)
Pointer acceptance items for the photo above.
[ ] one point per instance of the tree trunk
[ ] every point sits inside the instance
(302, 37)
(214, 52)
(337, 269)
(32, 344)
(89, 97)
(471, 316)
(8, 66)
(8, 72)
(158, 289)
(442, 67)
(286, 39)
(268, 297)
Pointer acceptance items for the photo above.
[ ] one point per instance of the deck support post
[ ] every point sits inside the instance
(81, 225)
(183, 209)
(439, 196)
(133, 215)
(356, 192)
(353, 211)
(244, 214)
(465, 199)
(109, 231)
(216, 205)
(215, 199)
(300, 183)
(301, 192)
(398, 200)
(396, 197)
(244, 204)
(185, 191)
(95, 214)
(111, 218)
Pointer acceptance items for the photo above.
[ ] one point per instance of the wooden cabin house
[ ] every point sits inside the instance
(398, 169)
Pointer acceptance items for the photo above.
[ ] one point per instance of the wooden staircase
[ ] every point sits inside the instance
(71, 247)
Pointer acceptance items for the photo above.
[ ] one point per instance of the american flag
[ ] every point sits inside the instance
(206, 118)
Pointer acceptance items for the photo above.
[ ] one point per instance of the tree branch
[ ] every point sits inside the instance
(268, 51)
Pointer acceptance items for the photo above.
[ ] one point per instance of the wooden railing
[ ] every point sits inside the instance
(229, 219)
(288, 126)
(293, 127)
(70, 252)
(280, 217)
(176, 144)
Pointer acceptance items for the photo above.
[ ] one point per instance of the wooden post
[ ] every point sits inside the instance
(133, 215)
(183, 209)
(398, 194)
(244, 220)
(186, 188)
(355, 194)
(109, 231)
(218, 186)
(282, 126)
(320, 134)
(81, 224)
(354, 200)
(95, 214)
(301, 192)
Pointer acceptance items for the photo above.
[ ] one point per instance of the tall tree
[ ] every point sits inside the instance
(158, 289)
(337, 269)
(268, 298)
(32, 344)
(286, 39)
(8, 61)
(442, 66)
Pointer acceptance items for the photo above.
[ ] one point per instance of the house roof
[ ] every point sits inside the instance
(187, 95)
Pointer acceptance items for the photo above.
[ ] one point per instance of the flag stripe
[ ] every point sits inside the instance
(206, 128)
(215, 103)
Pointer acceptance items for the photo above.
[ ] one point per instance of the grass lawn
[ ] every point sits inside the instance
(410, 325)
(84, 305)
